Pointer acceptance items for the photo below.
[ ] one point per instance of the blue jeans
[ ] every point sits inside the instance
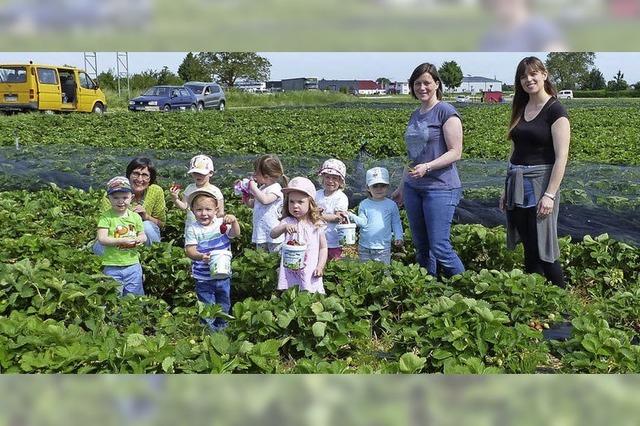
(129, 276)
(151, 230)
(379, 255)
(212, 292)
(430, 213)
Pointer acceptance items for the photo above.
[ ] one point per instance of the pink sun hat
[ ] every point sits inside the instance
(301, 184)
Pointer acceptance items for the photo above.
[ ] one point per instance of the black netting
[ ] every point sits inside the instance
(595, 198)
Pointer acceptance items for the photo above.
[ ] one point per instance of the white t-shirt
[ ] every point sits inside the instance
(337, 201)
(266, 216)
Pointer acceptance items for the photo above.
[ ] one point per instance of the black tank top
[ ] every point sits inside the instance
(532, 141)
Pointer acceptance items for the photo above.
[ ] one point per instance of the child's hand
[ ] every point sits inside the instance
(174, 189)
(141, 211)
(206, 257)
(291, 229)
(318, 272)
(127, 242)
(398, 243)
(344, 216)
(229, 218)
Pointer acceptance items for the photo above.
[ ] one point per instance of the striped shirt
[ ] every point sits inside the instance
(206, 239)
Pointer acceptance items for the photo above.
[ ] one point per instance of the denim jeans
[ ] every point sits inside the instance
(379, 255)
(214, 292)
(129, 276)
(151, 230)
(430, 213)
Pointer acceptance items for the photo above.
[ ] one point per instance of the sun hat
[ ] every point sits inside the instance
(207, 190)
(334, 167)
(118, 184)
(201, 164)
(377, 175)
(301, 184)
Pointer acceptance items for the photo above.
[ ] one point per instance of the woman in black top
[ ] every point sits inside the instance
(539, 134)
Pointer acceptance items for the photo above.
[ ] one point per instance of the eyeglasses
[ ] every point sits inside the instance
(143, 176)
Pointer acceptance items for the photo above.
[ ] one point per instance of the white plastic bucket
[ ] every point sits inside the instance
(346, 233)
(220, 264)
(293, 256)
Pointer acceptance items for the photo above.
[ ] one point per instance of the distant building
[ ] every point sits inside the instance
(474, 84)
(301, 83)
(356, 87)
(398, 88)
(274, 86)
(251, 86)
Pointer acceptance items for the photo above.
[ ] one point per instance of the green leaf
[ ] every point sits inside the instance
(325, 316)
(411, 363)
(135, 339)
(167, 364)
(318, 329)
(317, 307)
(220, 342)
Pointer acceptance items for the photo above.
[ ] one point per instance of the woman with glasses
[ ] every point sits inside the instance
(148, 200)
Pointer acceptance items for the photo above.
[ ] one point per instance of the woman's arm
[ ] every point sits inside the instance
(561, 134)
(452, 130)
(502, 195)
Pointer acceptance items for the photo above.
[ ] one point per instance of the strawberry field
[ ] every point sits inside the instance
(58, 313)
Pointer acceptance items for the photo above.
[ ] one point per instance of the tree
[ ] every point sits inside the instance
(107, 80)
(227, 67)
(144, 80)
(618, 82)
(191, 69)
(166, 76)
(450, 74)
(383, 82)
(566, 69)
(593, 80)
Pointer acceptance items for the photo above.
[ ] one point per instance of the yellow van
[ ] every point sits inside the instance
(31, 87)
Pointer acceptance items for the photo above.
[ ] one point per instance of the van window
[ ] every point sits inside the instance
(13, 74)
(47, 76)
(85, 81)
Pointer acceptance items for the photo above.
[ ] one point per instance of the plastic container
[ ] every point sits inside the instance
(241, 187)
(346, 233)
(220, 264)
(293, 256)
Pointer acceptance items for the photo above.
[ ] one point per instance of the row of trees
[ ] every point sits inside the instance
(224, 67)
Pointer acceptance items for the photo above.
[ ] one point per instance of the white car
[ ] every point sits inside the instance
(565, 94)
(462, 98)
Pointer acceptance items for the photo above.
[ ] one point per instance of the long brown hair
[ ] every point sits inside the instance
(520, 98)
(314, 211)
(270, 165)
(421, 69)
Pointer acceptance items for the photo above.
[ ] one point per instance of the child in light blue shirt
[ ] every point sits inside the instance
(378, 219)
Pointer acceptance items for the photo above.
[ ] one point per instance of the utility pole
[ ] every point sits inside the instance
(91, 64)
(122, 71)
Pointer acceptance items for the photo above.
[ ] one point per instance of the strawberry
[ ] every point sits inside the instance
(223, 228)
(291, 243)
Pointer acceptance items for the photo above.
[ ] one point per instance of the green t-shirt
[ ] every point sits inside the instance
(126, 226)
(153, 203)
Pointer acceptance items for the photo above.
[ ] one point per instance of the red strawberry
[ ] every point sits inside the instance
(223, 228)
(291, 243)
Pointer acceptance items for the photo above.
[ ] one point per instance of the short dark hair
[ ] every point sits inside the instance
(421, 69)
(141, 163)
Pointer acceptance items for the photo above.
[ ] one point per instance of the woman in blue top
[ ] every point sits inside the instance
(430, 189)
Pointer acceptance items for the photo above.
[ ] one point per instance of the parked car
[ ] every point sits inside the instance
(462, 98)
(565, 94)
(209, 95)
(50, 88)
(165, 98)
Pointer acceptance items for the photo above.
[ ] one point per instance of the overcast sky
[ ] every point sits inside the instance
(347, 65)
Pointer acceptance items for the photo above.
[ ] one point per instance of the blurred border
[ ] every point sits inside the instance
(318, 400)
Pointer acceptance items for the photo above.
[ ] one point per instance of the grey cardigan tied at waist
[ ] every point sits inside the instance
(547, 228)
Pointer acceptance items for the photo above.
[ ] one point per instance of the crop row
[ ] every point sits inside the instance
(58, 313)
(602, 135)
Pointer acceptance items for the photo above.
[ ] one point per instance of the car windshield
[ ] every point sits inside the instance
(195, 89)
(158, 91)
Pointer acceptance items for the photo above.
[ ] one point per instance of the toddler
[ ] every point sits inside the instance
(330, 200)
(201, 170)
(206, 234)
(120, 231)
(265, 198)
(302, 225)
(378, 218)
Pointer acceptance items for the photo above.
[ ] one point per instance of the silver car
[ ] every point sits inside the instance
(209, 95)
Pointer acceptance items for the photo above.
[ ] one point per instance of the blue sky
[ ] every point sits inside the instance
(347, 65)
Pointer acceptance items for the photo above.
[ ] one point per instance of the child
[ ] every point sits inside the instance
(331, 199)
(209, 233)
(377, 217)
(201, 170)
(302, 224)
(266, 201)
(120, 230)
